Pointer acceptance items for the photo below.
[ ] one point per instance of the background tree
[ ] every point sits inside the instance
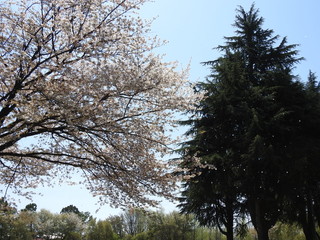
(12, 225)
(80, 84)
(171, 226)
(73, 236)
(85, 216)
(45, 223)
(70, 209)
(70, 225)
(101, 230)
(62, 226)
(135, 221)
(117, 224)
(28, 217)
(20, 228)
(160, 226)
(6, 219)
(32, 207)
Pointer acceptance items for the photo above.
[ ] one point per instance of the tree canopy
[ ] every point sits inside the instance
(81, 89)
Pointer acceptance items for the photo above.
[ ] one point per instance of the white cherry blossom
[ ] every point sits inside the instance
(81, 80)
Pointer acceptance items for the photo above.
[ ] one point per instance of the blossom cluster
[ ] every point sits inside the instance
(81, 88)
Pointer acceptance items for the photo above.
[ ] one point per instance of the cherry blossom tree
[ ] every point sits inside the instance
(82, 89)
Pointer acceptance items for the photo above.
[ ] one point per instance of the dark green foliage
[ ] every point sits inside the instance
(217, 142)
(70, 209)
(141, 236)
(303, 200)
(32, 207)
(12, 227)
(85, 216)
(72, 236)
(252, 134)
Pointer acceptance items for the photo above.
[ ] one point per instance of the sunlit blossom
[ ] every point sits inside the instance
(81, 78)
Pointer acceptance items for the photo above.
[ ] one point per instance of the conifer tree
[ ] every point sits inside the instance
(302, 203)
(212, 190)
(241, 144)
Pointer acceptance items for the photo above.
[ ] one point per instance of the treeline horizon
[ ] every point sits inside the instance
(132, 224)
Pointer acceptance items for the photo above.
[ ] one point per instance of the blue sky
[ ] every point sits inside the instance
(193, 28)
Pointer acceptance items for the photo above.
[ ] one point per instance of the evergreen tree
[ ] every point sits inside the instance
(303, 196)
(244, 133)
(217, 143)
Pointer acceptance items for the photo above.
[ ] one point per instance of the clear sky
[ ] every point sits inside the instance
(193, 28)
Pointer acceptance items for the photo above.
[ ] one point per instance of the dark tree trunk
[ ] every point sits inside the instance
(227, 219)
(308, 223)
(261, 227)
(257, 214)
(309, 231)
(263, 234)
(229, 225)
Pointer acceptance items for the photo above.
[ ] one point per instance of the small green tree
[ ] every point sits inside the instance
(7, 218)
(70, 209)
(85, 216)
(72, 236)
(101, 230)
(173, 226)
(48, 224)
(28, 219)
(20, 230)
(31, 207)
(135, 221)
(118, 225)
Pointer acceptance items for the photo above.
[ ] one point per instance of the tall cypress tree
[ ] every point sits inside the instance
(241, 145)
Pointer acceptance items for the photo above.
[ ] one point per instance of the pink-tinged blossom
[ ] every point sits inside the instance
(81, 80)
